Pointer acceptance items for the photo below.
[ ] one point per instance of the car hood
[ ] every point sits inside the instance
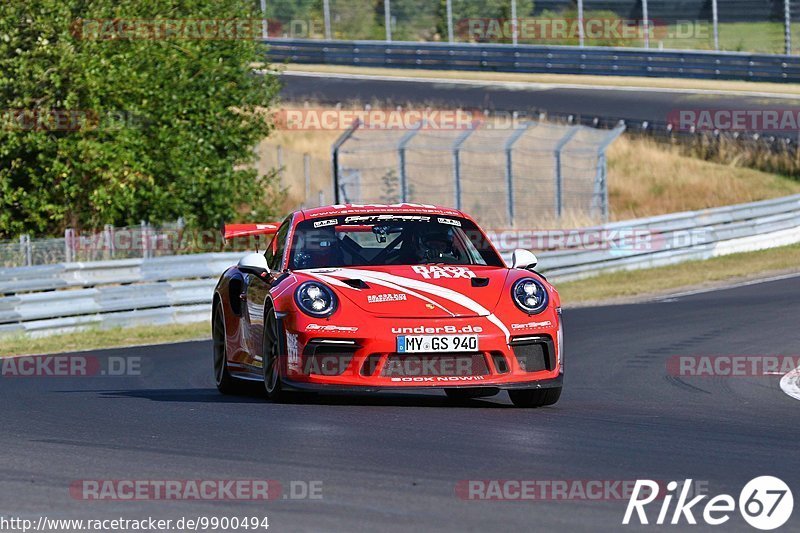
(425, 291)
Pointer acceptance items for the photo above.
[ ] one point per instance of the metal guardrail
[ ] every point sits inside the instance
(73, 296)
(122, 271)
(541, 59)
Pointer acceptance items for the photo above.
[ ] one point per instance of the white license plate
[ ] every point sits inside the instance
(437, 343)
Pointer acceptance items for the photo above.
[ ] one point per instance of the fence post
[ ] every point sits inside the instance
(264, 22)
(601, 182)
(450, 36)
(69, 236)
(143, 226)
(326, 15)
(715, 23)
(509, 147)
(457, 163)
(335, 157)
(109, 238)
(601, 188)
(646, 21)
(514, 27)
(387, 14)
(787, 17)
(401, 152)
(25, 249)
(580, 24)
(321, 200)
(559, 177)
(307, 176)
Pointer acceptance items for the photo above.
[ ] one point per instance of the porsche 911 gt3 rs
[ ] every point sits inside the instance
(386, 297)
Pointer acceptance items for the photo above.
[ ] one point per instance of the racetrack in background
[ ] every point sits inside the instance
(650, 104)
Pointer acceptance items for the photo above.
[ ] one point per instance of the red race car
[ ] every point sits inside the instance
(386, 297)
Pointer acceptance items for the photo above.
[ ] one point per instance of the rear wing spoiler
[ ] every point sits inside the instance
(232, 231)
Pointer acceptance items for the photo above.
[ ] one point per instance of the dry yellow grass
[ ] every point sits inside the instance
(317, 145)
(646, 179)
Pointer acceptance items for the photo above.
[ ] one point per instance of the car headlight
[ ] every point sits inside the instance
(315, 299)
(530, 295)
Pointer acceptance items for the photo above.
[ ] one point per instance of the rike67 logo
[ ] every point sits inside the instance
(765, 503)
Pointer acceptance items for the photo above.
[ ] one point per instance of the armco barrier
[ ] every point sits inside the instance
(540, 59)
(73, 296)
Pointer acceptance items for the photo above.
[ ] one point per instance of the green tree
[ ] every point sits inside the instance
(171, 122)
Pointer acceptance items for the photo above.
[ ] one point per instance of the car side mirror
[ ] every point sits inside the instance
(255, 264)
(523, 259)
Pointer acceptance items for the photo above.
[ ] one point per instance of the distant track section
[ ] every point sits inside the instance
(642, 109)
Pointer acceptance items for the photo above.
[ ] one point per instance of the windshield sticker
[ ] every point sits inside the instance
(449, 221)
(323, 223)
(361, 219)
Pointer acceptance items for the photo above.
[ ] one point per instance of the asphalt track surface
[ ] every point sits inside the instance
(391, 462)
(647, 105)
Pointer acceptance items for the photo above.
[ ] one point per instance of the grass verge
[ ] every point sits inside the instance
(684, 276)
(95, 339)
(558, 79)
(646, 178)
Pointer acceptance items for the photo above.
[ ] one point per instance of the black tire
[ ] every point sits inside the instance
(272, 360)
(535, 397)
(461, 395)
(226, 383)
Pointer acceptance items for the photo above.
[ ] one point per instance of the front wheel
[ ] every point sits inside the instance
(272, 358)
(535, 397)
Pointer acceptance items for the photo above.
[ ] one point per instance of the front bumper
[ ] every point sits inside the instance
(328, 357)
(326, 387)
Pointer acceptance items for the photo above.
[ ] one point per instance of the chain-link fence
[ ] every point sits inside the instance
(533, 174)
(143, 241)
(762, 26)
(305, 177)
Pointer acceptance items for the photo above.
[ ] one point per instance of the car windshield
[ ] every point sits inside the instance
(385, 239)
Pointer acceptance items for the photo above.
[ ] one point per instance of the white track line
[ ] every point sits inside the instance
(675, 296)
(524, 85)
(790, 383)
